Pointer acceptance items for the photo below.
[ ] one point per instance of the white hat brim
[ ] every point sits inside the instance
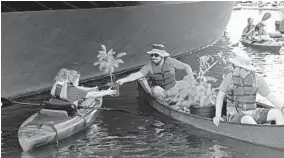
(247, 67)
(160, 52)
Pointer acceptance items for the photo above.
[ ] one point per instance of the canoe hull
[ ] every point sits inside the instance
(31, 135)
(275, 48)
(269, 136)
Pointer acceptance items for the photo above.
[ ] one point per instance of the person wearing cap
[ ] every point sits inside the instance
(161, 72)
(249, 29)
(240, 88)
(260, 34)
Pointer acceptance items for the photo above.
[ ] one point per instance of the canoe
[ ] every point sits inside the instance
(48, 125)
(266, 46)
(265, 135)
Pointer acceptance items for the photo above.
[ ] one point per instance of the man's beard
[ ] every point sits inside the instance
(157, 63)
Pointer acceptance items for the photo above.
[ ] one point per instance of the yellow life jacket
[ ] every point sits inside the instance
(59, 90)
(164, 77)
(242, 93)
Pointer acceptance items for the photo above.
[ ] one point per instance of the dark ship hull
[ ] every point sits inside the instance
(35, 45)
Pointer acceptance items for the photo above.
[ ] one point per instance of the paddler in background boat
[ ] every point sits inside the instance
(248, 30)
(67, 88)
(161, 71)
(259, 34)
(241, 87)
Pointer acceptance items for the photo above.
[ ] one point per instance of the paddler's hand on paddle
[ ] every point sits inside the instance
(216, 120)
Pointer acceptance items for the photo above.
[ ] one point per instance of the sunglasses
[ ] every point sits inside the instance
(154, 55)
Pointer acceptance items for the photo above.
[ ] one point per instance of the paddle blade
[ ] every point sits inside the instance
(266, 16)
(5, 102)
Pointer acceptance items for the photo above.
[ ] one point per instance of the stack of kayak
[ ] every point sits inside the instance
(55, 122)
(271, 46)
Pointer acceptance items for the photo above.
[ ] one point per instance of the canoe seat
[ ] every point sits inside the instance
(54, 113)
(60, 105)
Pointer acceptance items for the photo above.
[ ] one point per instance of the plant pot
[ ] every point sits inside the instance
(115, 86)
(203, 111)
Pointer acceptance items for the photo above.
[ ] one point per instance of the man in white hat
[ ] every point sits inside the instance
(240, 87)
(161, 71)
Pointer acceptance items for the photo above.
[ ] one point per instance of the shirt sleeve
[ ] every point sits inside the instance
(74, 94)
(178, 64)
(263, 88)
(225, 83)
(145, 70)
(245, 30)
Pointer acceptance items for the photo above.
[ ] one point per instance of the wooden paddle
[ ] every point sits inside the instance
(264, 18)
(7, 102)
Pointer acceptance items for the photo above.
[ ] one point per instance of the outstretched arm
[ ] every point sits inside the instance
(87, 88)
(130, 78)
(134, 76)
(100, 93)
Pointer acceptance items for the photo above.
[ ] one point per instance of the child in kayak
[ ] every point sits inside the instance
(67, 88)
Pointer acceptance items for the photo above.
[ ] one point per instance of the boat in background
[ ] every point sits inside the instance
(270, 46)
(269, 135)
(35, 45)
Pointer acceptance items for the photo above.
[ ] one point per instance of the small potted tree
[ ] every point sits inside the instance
(108, 63)
(196, 94)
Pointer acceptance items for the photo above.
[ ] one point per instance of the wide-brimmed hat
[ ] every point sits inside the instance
(159, 49)
(242, 60)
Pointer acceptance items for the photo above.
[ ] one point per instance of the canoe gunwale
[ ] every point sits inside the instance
(205, 118)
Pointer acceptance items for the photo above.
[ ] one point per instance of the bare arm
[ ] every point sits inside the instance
(182, 66)
(100, 93)
(219, 103)
(274, 100)
(134, 76)
(87, 88)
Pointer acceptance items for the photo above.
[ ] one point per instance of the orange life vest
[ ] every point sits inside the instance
(242, 93)
(164, 77)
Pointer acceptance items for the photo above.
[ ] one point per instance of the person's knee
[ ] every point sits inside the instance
(275, 115)
(158, 92)
(248, 120)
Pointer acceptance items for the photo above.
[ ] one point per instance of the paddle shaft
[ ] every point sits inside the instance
(110, 109)
(10, 102)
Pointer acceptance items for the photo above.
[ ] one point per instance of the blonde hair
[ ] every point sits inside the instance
(62, 75)
(73, 75)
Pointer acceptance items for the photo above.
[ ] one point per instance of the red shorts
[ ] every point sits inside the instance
(259, 115)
